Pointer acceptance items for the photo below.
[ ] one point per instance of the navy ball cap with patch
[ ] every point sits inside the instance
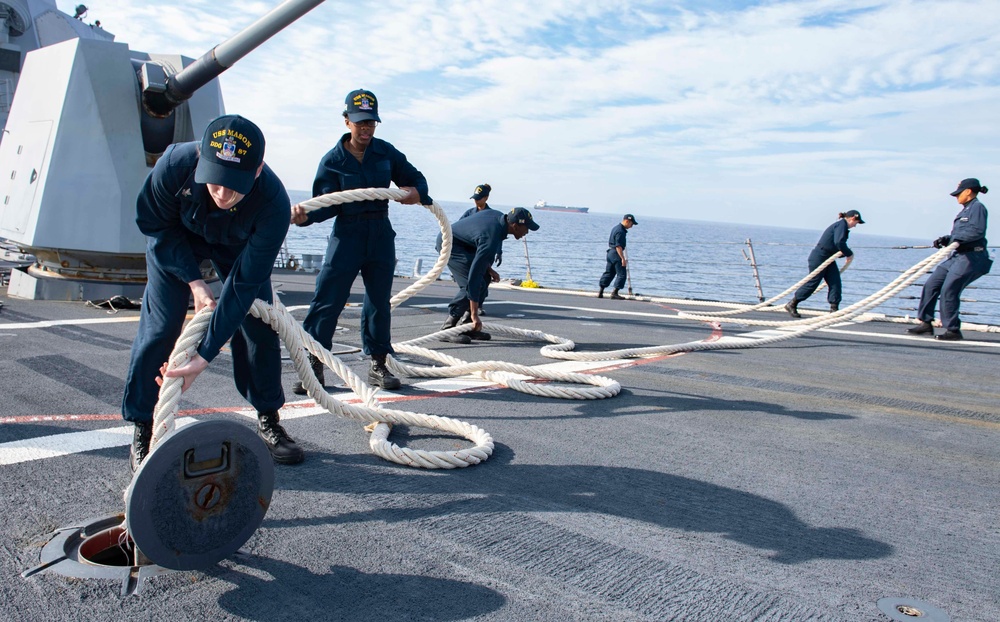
(522, 216)
(361, 105)
(231, 152)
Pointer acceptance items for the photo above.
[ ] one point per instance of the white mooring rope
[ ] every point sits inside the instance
(514, 376)
(767, 305)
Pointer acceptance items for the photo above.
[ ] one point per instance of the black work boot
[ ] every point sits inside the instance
(476, 335)
(141, 438)
(379, 375)
(793, 308)
(452, 322)
(834, 307)
(950, 335)
(923, 328)
(317, 369)
(283, 449)
(615, 296)
(600, 293)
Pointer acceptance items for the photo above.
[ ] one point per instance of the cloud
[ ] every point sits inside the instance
(786, 109)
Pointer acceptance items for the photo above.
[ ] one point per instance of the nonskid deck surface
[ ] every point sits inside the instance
(799, 481)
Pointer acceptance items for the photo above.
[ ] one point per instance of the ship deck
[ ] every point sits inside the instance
(804, 480)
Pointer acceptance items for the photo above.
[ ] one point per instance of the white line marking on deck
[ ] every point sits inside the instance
(55, 445)
(76, 322)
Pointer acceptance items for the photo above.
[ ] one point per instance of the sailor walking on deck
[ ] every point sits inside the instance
(362, 240)
(480, 196)
(614, 270)
(970, 261)
(834, 239)
(223, 204)
(476, 241)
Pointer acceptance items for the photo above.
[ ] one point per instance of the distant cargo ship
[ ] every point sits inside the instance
(542, 205)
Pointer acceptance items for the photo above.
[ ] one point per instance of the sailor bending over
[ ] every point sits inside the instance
(476, 241)
(216, 201)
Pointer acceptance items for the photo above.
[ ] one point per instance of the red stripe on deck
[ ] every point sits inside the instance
(715, 336)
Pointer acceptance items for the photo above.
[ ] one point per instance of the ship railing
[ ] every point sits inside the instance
(717, 271)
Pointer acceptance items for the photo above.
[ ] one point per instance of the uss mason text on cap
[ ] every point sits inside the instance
(967, 184)
(361, 105)
(481, 191)
(522, 216)
(231, 152)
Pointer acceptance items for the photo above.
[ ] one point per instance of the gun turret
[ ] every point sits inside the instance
(163, 92)
(89, 118)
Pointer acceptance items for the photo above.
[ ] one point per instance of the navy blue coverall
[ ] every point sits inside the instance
(833, 239)
(469, 212)
(969, 262)
(615, 269)
(183, 227)
(362, 241)
(476, 242)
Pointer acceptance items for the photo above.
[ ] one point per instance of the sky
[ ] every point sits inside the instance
(781, 113)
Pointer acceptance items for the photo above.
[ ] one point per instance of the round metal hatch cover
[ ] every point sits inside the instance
(199, 495)
(907, 609)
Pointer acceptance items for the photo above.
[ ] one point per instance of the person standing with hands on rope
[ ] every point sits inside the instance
(970, 261)
(617, 262)
(476, 241)
(834, 239)
(362, 240)
(216, 200)
(480, 195)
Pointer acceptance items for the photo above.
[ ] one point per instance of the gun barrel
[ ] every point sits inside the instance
(183, 84)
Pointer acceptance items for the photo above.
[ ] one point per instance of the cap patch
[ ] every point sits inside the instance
(363, 102)
(225, 141)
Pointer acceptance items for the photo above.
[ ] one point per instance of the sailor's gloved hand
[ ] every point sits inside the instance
(499, 259)
(942, 241)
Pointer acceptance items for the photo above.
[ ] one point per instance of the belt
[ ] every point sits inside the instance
(364, 216)
(974, 249)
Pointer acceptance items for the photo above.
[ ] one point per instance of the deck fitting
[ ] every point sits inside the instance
(906, 609)
(97, 549)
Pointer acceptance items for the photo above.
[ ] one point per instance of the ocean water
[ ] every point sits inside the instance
(675, 258)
